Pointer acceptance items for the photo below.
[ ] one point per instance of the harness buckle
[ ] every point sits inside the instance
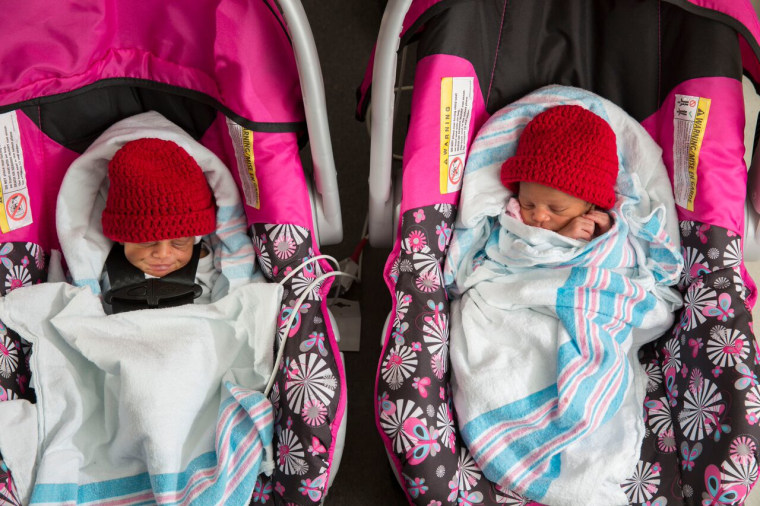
(152, 291)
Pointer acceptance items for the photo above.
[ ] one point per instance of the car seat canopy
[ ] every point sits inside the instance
(230, 52)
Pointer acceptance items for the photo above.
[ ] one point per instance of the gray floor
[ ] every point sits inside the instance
(345, 32)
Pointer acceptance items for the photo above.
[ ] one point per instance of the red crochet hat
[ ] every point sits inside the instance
(157, 191)
(570, 149)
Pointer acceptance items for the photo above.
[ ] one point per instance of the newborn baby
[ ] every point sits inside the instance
(159, 206)
(560, 268)
(564, 171)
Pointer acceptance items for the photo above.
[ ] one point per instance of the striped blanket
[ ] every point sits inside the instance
(545, 329)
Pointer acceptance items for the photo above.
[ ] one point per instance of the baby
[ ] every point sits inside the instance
(159, 206)
(563, 172)
(546, 326)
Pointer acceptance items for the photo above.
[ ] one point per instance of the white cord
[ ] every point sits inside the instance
(307, 262)
(291, 319)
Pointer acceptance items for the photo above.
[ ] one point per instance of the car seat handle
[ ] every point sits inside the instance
(752, 209)
(328, 217)
(381, 120)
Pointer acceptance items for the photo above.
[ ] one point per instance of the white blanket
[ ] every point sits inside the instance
(547, 387)
(154, 405)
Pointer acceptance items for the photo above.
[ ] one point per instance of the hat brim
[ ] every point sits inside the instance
(530, 169)
(131, 228)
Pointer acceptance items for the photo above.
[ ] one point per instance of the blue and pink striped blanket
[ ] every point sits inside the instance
(545, 329)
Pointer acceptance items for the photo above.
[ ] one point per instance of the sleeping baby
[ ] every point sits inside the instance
(564, 170)
(559, 274)
(158, 209)
(128, 402)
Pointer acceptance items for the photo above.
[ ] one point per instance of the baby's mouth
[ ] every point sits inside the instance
(160, 267)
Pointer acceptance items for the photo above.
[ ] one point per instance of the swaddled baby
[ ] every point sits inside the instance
(561, 280)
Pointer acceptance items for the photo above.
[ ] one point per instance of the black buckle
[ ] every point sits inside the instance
(152, 291)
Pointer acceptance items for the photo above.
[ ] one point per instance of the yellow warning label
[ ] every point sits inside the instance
(251, 167)
(689, 124)
(242, 141)
(445, 131)
(695, 146)
(456, 111)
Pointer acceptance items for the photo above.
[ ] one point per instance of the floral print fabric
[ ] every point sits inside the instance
(701, 406)
(21, 264)
(702, 410)
(308, 392)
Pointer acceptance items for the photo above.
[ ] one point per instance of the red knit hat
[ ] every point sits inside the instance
(570, 149)
(157, 191)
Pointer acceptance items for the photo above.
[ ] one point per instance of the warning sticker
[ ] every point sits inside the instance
(689, 122)
(14, 195)
(456, 110)
(242, 140)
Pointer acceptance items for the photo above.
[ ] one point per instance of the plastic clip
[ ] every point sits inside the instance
(153, 291)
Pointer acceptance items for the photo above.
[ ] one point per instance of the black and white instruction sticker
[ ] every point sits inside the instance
(16, 211)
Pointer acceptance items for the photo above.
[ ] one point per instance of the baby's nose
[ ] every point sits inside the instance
(161, 249)
(540, 216)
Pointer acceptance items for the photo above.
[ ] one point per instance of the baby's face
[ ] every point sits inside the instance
(159, 258)
(544, 207)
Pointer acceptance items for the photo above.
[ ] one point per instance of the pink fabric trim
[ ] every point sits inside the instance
(235, 52)
(417, 8)
(721, 172)
(387, 442)
(744, 12)
(366, 84)
(277, 162)
(334, 349)
(749, 60)
(421, 185)
(741, 10)
(283, 193)
(45, 163)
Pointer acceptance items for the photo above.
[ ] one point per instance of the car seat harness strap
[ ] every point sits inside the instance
(131, 290)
